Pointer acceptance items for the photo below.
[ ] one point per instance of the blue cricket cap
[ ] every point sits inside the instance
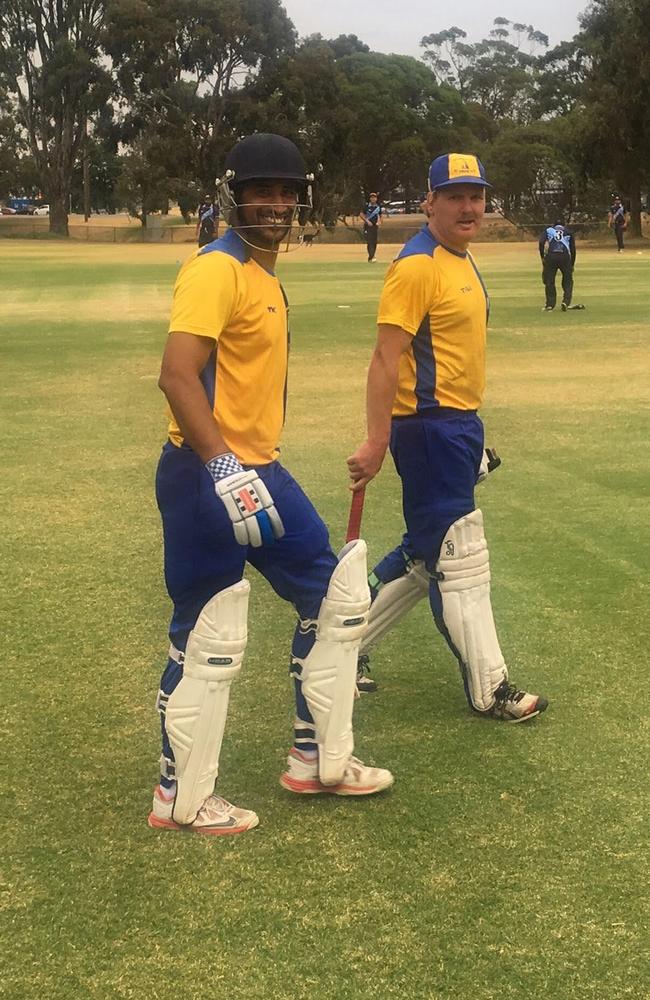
(456, 168)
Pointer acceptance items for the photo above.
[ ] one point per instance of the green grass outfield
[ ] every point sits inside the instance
(508, 861)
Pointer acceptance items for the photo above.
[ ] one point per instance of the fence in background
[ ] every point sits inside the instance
(495, 230)
(25, 228)
(30, 229)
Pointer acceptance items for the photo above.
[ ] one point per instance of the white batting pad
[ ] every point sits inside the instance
(195, 717)
(329, 670)
(464, 566)
(394, 600)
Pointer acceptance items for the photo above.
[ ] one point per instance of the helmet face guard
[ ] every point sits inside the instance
(261, 157)
(293, 232)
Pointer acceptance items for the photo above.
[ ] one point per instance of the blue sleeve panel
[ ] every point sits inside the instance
(230, 243)
(423, 242)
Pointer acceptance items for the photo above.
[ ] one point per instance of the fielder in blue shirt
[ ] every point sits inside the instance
(557, 249)
(371, 216)
(207, 226)
(618, 222)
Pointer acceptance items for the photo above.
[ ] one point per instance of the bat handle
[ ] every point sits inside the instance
(356, 513)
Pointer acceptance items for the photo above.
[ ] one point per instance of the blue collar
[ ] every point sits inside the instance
(437, 242)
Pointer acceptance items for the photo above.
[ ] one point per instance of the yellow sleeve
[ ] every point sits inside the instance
(206, 295)
(409, 291)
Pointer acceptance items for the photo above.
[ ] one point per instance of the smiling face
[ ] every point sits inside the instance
(268, 206)
(455, 214)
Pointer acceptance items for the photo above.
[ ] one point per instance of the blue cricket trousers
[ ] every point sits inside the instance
(437, 455)
(202, 557)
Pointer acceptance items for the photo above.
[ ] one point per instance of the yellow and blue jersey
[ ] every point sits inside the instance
(437, 295)
(223, 294)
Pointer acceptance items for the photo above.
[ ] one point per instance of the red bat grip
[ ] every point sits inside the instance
(356, 513)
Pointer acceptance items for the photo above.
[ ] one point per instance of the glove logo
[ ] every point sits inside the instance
(449, 549)
(247, 501)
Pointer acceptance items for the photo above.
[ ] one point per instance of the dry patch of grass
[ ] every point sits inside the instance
(589, 379)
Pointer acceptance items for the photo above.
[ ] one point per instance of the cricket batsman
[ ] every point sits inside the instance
(425, 386)
(226, 500)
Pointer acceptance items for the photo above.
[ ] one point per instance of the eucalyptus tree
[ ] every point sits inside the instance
(498, 74)
(613, 43)
(51, 64)
(179, 65)
(367, 121)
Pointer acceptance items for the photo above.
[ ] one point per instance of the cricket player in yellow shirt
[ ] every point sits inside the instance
(425, 385)
(225, 499)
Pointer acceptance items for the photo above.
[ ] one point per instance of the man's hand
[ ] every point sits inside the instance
(250, 506)
(365, 464)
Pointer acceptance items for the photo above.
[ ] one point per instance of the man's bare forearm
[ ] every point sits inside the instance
(380, 393)
(383, 375)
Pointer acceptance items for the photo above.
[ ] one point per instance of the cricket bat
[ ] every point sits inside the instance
(356, 513)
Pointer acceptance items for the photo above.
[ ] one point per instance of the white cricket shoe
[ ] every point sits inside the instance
(301, 776)
(365, 683)
(513, 705)
(215, 818)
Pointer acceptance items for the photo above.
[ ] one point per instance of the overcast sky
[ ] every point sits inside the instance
(398, 25)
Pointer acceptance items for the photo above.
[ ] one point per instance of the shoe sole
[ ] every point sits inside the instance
(168, 824)
(521, 718)
(366, 689)
(316, 788)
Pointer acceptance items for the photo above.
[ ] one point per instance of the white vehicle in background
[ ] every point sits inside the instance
(42, 210)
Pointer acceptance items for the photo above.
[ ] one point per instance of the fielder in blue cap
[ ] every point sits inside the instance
(425, 386)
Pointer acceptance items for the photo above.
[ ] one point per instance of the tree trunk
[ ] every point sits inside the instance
(58, 196)
(86, 176)
(635, 209)
(59, 214)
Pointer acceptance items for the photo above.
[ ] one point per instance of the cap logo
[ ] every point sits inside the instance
(463, 166)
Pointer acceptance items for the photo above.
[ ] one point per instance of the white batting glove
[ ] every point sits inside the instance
(249, 504)
(489, 463)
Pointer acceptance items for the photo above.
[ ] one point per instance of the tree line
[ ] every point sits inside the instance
(137, 101)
